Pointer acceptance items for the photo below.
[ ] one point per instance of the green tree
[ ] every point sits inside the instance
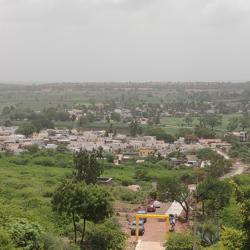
(244, 121)
(62, 116)
(110, 157)
(233, 123)
(141, 173)
(83, 121)
(218, 167)
(206, 154)
(87, 167)
(99, 152)
(214, 121)
(115, 116)
(204, 132)
(7, 123)
(245, 212)
(172, 189)
(161, 134)
(26, 129)
(214, 194)
(83, 203)
(188, 120)
(135, 128)
(42, 123)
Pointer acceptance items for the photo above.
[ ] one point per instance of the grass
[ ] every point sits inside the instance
(172, 124)
(127, 172)
(26, 191)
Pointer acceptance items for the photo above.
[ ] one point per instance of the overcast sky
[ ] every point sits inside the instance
(124, 40)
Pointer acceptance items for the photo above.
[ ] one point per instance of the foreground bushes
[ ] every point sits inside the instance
(179, 242)
(20, 233)
(105, 236)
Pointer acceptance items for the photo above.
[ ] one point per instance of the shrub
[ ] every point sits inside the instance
(127, 195)
(19, 161)
(50, 242)
(110, 158)
(180, 242)
(5, 241)
(26, 235)
(232, 239)
(209, 233)
(32, 149)
(126, 182)
(44, 161)
(141, 174)
(106, 236)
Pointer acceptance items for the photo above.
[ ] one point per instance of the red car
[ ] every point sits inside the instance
(151, 208)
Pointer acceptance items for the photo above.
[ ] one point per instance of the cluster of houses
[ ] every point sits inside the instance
(74, 140)
(120, 145)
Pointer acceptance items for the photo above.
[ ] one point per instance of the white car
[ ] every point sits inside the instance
(157, 204)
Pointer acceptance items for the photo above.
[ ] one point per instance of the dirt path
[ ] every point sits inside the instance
(149, 245)
(238, 166)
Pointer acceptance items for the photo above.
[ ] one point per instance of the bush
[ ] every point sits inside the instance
(44, 161)
(188, 178)
(209, 233)
(50, 242)
(232, 239)
(19, 161)
(110, 158)
(5, 241)
(203, 132)
(32, 149)
(26, 235)
(106, 236)
(180, 242)
(127, 195)
(141, 174)
(126, 182)
(231, 215)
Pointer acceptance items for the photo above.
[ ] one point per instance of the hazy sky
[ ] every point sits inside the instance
(122, 40)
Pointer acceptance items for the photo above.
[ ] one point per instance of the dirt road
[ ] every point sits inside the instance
(237, 168)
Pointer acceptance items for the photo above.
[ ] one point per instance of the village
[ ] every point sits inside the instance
(123, 147)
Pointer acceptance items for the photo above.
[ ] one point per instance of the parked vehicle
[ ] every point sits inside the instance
(141, 228)
(151, 208)
(142, 212)
(157, 204)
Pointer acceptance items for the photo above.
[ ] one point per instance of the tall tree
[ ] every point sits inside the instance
(87, 167)
(244, 121)
(214, 194)
(188, 120)
(172, 189)
(83, 203)
(26, 129)
(135, 128)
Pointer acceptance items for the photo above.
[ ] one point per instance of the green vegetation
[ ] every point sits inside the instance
(172, 189)
(29, 181)
(87, 168)
(82, 203)
(241, 151)
(50, 199)
(180, 242)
